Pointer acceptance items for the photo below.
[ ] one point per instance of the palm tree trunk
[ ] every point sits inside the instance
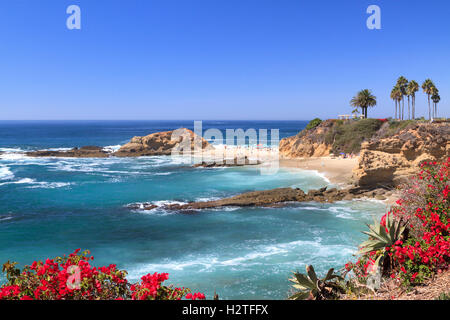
(413, 107)
(403, 108)
(429, 108)
(409, 109)
(395, 109)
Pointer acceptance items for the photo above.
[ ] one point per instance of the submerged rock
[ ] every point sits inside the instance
(83, 152)
(275, 198)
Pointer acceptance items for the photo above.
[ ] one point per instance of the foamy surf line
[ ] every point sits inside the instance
(5, 173)
(261, 255)
(37, 184)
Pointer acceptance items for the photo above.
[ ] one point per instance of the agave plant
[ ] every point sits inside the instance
(312, 288)
(381, 237)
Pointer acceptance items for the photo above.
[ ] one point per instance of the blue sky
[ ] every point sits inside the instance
(215, 59)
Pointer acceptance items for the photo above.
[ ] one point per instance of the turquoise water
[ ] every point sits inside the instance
(49, 207)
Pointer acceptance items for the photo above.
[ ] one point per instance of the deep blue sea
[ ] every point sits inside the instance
(49, 207)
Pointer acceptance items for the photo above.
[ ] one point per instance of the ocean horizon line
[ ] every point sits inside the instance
(143, 120)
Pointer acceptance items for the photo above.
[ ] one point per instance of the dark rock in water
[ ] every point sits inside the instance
(276, 198)
(236, 162)
(83, 152)
(142, 206)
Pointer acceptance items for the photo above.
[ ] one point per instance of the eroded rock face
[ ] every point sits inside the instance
(389, 161)
(157, 144)
(310, 143)
(83, 152)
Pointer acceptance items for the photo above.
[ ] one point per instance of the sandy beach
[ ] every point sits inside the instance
(338, 171)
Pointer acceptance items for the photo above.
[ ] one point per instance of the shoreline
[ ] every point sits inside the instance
(337, 171)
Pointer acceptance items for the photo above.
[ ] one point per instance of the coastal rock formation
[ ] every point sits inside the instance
(272, 198)
(389, 160)
(83, 152)
(308, 143)
(160, 143)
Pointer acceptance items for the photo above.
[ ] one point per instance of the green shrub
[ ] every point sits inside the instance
(313, 123)
(348, 136)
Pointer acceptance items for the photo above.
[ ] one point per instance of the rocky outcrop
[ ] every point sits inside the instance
(83, 152)
(308, 143)
(390, 160)
(160, 143)
(272, 198)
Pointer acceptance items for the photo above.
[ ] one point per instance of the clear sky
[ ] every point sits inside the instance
(216, 59)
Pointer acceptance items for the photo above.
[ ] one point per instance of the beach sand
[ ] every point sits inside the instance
(337, 171)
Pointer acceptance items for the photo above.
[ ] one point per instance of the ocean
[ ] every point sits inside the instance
(50, 207)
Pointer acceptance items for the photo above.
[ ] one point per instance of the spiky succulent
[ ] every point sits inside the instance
(381, 237)
(310, 287)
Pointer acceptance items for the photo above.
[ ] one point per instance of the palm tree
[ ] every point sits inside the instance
(402, 83)
(426, 87)
(396, 95)
(363, 100)
(413, 87)
(436, 98)
(434, 95)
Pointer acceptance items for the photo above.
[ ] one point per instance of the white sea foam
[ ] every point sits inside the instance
(158, 210)
(49, 185)
(259, 255)
(38, 184)
(5, 173)
(205, 199)
(162, 173)
(339, 212)
(112, 149)
(21, 181)
(322, 175)
(11, 150)
(13, 156)
(57, 149)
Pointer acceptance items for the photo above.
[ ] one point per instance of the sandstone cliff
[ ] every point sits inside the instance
(160, 143)
(388, 160)
(331, 136)
(308, 143)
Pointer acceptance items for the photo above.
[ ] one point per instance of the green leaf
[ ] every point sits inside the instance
(303, 280)
(300, 296)
(312, 274)
(329, 275)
